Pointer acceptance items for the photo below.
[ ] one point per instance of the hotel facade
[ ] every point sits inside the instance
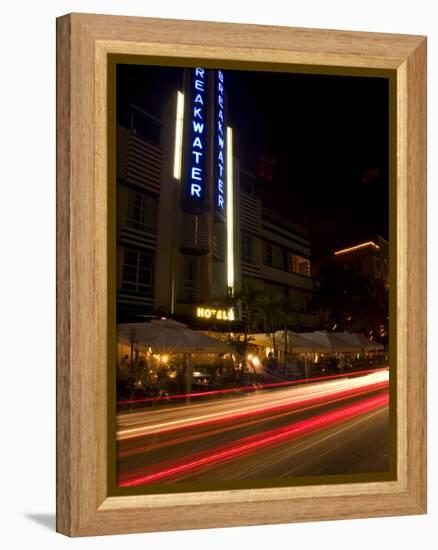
(191, 232)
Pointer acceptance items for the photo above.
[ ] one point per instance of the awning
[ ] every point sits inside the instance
(295, 342)
(169, 336)
(316, 342)
(366, 344)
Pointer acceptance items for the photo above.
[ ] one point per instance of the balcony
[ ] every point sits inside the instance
(193, 237)
(194, 243)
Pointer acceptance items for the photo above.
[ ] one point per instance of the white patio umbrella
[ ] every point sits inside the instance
(344, 342)
(296, 343)
(341, 342)
(318, 338)
(169, 336)
(260, 339)
(366, 344)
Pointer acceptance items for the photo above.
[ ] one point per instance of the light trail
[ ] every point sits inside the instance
(248, 388)
(228, 424)
(248, 444)
(161, 421)
(298, 404)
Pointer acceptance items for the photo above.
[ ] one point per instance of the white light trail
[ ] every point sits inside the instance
(161, 420)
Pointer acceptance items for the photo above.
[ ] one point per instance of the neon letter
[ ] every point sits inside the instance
(196, 174)
(197, 143)
(198, 127)
(195, 189)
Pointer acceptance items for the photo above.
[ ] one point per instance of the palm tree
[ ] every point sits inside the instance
(270, 304)
(249, 297)
(286, 310)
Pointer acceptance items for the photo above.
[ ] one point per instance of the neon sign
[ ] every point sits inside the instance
(212, 313)
(220, 142)
(197, 171)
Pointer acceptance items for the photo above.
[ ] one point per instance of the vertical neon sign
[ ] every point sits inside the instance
(230, 212)
(219, 150)
(197, 171)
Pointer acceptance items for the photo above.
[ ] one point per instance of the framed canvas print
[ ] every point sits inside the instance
(241, 319)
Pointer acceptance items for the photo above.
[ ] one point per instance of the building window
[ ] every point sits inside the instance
(142, 212)
(300, 265)
(248, 255)
(273, 256)
(144, 124)
(247, 182)
(137, 272)
(189, 279)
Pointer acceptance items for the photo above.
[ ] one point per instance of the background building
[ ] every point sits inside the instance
(369, 260)
(353, 290)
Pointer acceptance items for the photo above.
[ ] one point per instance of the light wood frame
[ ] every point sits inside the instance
(83, 44)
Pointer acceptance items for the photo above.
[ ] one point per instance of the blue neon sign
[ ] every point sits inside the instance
(198, 123)
(219, 154)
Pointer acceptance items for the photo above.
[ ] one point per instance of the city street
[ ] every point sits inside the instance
(336, 426)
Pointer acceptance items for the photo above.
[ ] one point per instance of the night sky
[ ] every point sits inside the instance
(318, 144)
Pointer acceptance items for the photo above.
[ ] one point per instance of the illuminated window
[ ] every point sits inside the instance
(273, 256)
(300, 265)
(142, 212)
(248, 255)
(137, 272)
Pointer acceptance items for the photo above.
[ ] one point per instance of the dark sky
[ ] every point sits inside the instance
(319, 144)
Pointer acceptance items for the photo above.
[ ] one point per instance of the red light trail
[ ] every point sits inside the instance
(248, 444)
(247, 388)
(230, 422)
(294, 406)
(158, 421)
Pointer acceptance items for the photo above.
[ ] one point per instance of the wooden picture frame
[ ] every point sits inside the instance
(83, 45)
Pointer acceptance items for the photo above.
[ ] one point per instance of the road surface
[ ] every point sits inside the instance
(336, 426)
